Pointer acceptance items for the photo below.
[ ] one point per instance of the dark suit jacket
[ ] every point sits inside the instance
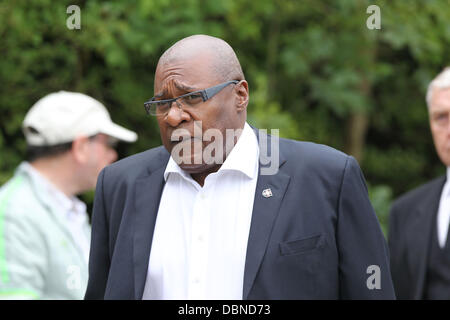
(313, 239)
(410, 226)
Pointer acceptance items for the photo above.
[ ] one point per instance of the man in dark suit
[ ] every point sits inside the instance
(169, 223)
(419, 220)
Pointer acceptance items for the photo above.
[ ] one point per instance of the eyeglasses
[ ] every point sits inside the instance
(161, 107)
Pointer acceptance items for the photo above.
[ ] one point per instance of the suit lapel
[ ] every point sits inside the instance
(419, 236)
(265, 211)
(148, 192)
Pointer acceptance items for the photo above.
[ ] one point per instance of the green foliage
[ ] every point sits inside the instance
(310, 65)
(268, 114)
(381, 198)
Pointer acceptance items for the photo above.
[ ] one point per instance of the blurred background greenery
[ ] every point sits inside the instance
(315, 71)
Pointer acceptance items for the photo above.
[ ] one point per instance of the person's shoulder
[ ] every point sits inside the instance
(12, 196)
(305, 152)
(313, 155)
(140, 159)
(311, 149)
(416, 195)
(412, 198)
(138, 164)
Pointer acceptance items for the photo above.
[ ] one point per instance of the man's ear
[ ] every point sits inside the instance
(242, 95)
(80, 149)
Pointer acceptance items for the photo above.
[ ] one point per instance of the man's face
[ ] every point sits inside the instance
(102, 154)
(187, 75)
(440, 123)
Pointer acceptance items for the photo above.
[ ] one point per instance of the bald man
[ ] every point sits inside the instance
(223, 210)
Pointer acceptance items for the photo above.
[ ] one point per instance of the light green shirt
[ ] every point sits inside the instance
(41, 256)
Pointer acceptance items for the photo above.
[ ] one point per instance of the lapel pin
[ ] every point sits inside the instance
(267, 193)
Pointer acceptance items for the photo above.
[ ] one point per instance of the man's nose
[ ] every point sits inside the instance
(176, 115)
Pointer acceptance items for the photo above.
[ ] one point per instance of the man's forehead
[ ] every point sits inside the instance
(186, 66)
(177, 83)
(440, 98)
(443, 93)
(184, 76)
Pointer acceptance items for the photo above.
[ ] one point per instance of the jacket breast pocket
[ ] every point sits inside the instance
(303, 245)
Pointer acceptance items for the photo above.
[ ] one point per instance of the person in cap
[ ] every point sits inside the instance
(44, 227)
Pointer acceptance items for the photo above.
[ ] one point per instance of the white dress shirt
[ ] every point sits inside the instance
(200, 239)
(443, 217)
(73, 209)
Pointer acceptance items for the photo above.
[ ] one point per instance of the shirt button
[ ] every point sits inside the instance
(196, 280)
(200, 238)
(203, 196)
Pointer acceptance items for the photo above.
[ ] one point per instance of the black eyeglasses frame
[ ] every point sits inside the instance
(205, 93)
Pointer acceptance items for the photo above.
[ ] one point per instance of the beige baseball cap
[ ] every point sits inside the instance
(62, 116)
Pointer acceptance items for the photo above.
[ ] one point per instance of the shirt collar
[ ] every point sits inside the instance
(67, 204)
(243, 157)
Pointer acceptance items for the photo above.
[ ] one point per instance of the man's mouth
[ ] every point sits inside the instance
(180, 138)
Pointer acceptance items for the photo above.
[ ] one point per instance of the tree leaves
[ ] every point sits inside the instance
(310, 65)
